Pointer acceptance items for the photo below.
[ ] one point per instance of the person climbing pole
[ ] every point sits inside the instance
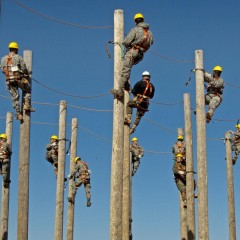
(17, 76)
(235, 140)
(5, 155)
(143, 90)
(179, 168)
(213, 97)
(137, 42)
(137, 153)
(52, 152)
(81, 168)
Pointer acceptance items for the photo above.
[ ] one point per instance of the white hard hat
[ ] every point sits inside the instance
(146, 73)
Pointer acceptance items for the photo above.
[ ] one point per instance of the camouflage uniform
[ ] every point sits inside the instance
(179, 168)
(236, 145)
(213, 98)
(137, 152)
(14, 68)
(142, 91)
(52, 155)
(81, 168)
(5, 154)
(137, 42)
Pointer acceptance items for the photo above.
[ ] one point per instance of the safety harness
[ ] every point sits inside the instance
(84, 176)
(144, 45)
(15, 74)
(144, 98)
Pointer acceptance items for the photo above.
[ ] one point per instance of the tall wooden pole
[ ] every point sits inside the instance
(70, 223)
(6, 191)
(183, 219)
(117, 148)
(61, 171)
(201, 150)
(183, 212)
(231, 205)
(126, 179)
(24, 161)
(189, 168)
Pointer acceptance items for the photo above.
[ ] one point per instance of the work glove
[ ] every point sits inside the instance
(181, 172)
(89, 172)
(231, 131)
(69, 176)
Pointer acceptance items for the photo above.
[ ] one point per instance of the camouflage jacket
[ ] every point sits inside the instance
(139, 36)
(215, 85)
(236, 139)
(5, 150)
(179, 148)
(52, 147)
(81, 168)
(136, 150)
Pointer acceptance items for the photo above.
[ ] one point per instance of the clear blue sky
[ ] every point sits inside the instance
(74, 60)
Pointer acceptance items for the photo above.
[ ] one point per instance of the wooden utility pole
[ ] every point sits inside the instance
(24, 160)
(126, 178)
(189, 168)
(231, 205)
(70, 223)
(183, 211)
(5, 191)
(61, 171)
(117, 144)
(183, 219)
(201, 149)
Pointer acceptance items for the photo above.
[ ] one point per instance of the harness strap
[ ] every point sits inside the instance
(148, 86)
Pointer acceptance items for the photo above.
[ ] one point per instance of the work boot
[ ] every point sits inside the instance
(234, 161)
(128, 119)
(71, 199)
(195, 112)
(88, 202)
(185, 203)
(117, 93)
(19, 116)
(195, 196)
(6, 183)
(28, 107)
(132, 130)
(208, 117)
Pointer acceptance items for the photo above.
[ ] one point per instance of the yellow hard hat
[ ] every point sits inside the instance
(179, 155)
(180, 137)
(13, 45)
(238, 125)
(138, 15)
(54, 137)
(77, 158)
(134, 139)
(217, 68)
(3, 135)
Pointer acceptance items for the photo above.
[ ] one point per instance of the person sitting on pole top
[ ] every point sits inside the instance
(137, 42)
(17, 76)
(213, 98)
(143, 90)
(82, 174)
(5, 154)
(235, 143)
(137, 153)
(52, 152)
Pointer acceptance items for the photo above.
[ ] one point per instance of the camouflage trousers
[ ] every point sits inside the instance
(142, 107)
(132, 57)
(236, 149)
(52, 157)
(4, 168)
(213, 101)
(13, 87)
(181, 185)
(78, 184)
(135, 164)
